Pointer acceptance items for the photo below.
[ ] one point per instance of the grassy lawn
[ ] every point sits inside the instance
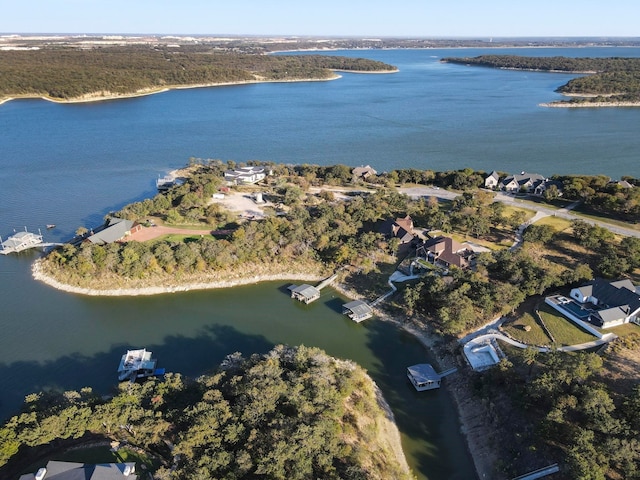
(564, 331)
(624, 330)
(510, 209)
(535, 336)
(559, 224)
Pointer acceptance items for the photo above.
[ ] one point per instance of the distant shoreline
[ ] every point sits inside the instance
(100, 97)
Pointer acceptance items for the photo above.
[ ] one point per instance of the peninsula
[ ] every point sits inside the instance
(65, 74)
(604, 82)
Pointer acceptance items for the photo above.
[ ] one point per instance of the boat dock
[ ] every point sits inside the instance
(308, 293)
(21, 241)
(424, 377)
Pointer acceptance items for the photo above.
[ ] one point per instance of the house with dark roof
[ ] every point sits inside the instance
(114, 230)
(611, 303)
(56, 470)
(524, 181)
(492, 180)
(400, 228)
(445, 251)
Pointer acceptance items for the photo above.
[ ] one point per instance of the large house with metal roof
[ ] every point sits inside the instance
(612, 303)
(115, 230)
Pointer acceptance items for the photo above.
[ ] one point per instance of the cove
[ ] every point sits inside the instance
(75, 341)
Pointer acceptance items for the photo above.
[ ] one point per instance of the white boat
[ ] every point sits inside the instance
(137, 364)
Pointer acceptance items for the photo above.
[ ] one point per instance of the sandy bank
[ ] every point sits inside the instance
(589, 105)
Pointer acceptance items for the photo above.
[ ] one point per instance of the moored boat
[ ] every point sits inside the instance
(137, 364)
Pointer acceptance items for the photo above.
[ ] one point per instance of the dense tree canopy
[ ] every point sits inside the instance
(294, 413)
(67, 73)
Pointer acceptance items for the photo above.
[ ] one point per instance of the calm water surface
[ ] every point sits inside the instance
(71, 164)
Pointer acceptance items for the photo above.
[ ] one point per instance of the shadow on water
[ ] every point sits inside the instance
(428, 420)
(335, 304)
(188, 356)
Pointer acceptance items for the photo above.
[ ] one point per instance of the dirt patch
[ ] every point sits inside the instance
(244, 204)
(622, 364)
(150, 233)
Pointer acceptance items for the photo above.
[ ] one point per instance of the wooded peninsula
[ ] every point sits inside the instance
(68, 74)
(293, 413)
(606, 81)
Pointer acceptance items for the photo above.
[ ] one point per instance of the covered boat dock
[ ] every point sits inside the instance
(305, 293)
(357, 310)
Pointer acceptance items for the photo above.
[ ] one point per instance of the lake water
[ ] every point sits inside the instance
(69, 165)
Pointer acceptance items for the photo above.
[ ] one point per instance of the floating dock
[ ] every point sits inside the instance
(20, 241)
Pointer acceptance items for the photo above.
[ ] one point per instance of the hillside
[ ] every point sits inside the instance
(294, 413)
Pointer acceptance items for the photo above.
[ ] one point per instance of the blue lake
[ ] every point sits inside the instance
(69, 165)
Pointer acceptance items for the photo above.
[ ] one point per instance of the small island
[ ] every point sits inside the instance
(606, 82)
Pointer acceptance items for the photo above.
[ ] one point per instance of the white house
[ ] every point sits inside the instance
(522, 181)
(492, 180)
(614, 303)
(245, 175)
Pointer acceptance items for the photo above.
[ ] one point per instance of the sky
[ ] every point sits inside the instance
(356, 18)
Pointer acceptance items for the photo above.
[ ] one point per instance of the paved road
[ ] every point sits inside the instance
(416, 192)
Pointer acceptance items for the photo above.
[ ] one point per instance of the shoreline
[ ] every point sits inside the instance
(97, 97)
(478, 451)
(563, 104)
(40, 276)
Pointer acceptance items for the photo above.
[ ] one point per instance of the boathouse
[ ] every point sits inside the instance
(305, 293)
(19, 242)
(423, 377)
(357, 310)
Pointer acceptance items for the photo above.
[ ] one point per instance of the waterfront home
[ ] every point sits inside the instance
(400, 228)
(114, 230)
(363, 172)
(492, 180)
(527, 182)
(245, 175)
(357, 310)
(72, 471)
(304, 293)
(607, 304)
(445, 252)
